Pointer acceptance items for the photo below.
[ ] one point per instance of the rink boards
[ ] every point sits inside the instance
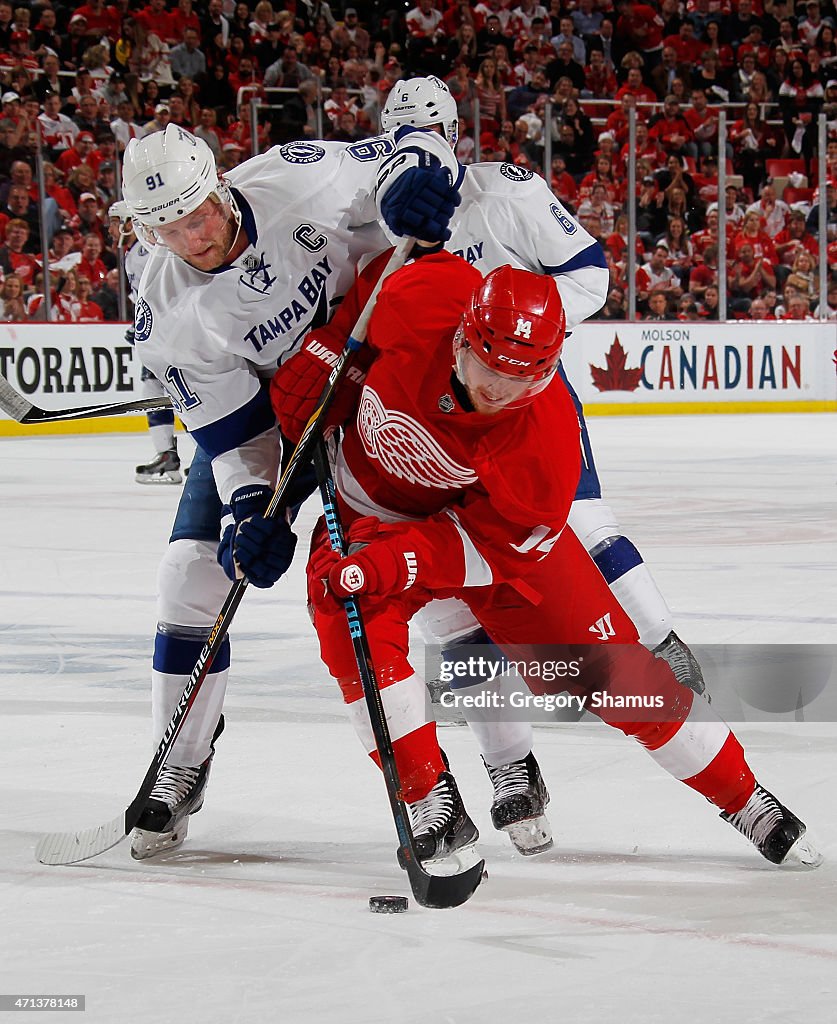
(616, 368)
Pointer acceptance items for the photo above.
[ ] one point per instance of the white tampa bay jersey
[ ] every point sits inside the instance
(509, 215)
(213, 339)
(135, 259)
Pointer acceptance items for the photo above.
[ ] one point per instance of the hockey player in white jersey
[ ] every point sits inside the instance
(508, 215)
(164, 468)
(240, 269)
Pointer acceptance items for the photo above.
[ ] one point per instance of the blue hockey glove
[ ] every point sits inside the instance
(418, 186)
(420, 202)
(258, 548)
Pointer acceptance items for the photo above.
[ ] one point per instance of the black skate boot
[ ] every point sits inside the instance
(776, 833)
(163, 469)
(520, 799)
(442, 828)
(683, 664)
(178, 793)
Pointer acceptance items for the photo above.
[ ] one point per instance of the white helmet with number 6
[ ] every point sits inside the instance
(166, 176)
(422, 102)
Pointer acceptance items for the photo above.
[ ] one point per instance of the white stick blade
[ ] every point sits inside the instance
(72, 847)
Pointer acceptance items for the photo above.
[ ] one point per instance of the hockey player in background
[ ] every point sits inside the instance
(455, 476)
(241, 268)
(164, 468)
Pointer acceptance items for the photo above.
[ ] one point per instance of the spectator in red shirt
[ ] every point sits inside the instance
(91, 264)
(794, 238)
(81, 152)
(13, 259)
(688, 48)
(599, 79)
(640, 27)
(86, 311)
(602, 174)
(562, 183)
(182, 18)
(748, 277)
(635, 85)
(158, 21)
(101, 20)
(672, 131)
(617, 120)
(752, 234)
(89, 219)
(703, 121)
(754, 44)
(244, 76)
(56, 191)
(647, 149)
(704, 274)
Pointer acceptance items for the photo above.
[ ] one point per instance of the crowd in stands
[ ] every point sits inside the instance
(79, 81)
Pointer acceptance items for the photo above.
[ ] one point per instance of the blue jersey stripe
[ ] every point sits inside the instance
(238, 427)
(592, 256)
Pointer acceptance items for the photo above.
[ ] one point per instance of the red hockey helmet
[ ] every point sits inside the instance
(514, 325)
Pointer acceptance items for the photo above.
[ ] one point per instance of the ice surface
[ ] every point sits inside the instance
(649, 908)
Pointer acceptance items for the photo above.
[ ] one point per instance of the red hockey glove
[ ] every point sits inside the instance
(385, 564)
(297, 385)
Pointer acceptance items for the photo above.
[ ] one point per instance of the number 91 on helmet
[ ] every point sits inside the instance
(508, 344)
(168, 176)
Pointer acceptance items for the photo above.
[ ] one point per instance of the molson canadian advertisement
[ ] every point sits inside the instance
(692, 367)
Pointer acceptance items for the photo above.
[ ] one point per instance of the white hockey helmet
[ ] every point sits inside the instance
(422, 102)
(166, 176)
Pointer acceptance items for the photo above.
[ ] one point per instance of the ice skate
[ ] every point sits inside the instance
(163, 469)
(445, 837)
(682, 663)
(776, 833)
(520, 799)
(178, 793)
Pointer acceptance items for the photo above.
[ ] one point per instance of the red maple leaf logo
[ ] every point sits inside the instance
(616, 377)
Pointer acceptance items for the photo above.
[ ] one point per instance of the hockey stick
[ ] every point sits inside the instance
(436, 891)
(71, 847)
(24, 411)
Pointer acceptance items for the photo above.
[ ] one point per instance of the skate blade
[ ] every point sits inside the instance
(455, 863)
(531, 836)
(146, 844)
(172, 477)
(802, 856)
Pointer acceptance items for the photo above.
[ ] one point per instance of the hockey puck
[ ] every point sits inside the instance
(388, 904)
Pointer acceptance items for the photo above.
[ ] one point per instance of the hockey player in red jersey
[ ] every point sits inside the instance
(457, 481)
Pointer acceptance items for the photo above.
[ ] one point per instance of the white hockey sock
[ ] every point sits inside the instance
(162, 437)
(501, 740)
(193, 745)
(646, 607)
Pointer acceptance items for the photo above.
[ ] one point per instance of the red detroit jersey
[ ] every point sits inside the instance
(502, 483)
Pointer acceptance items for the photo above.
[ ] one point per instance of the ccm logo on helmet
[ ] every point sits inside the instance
(513, 362)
